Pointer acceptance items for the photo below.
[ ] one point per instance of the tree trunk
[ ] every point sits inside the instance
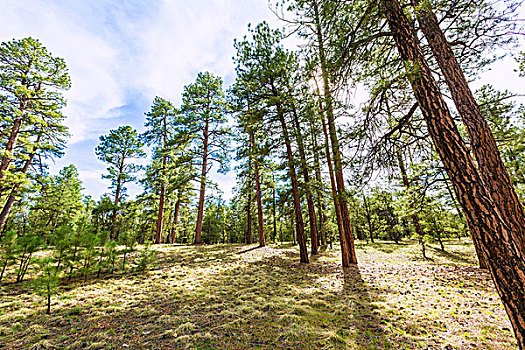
(345, 251)
(274, 211)
(260, 218)
(158, 234)
(487, 226)
(295, 190)
(200, 208)
(175, 218)
(369, 218)
(14, 192)
(492, 169)
(248, 235)
(115, 209)
(321, 206)
(309, 198)
(10, 145)
(160, 217)
(338, 167)
(415, 217)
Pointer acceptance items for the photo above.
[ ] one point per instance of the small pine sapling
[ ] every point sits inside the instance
(46, 284)
(146, 256)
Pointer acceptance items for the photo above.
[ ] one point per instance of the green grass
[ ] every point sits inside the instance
(226, 297)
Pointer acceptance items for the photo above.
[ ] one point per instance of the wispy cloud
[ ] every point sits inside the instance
(122, 53)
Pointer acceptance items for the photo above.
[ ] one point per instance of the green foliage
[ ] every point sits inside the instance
(46, 284)
(146, 256)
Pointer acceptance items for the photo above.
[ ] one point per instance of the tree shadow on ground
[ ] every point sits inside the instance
(263, 299)
(457, 257)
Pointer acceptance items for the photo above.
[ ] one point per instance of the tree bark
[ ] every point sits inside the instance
(248, 235)
(488, 227)
(345, 251)
(14, 192)
(160, 217)
(492, 169)
(158, 234)
(338, 168)
(115, 205)
(307, 183)
(303, 250)
(200, 208)
(175, 217)
(11, 144)
(260, 217)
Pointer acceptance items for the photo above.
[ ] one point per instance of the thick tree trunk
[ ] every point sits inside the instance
(14, 192)
(492, 169)
(488, 227)
(10, 145)
(307, 183)
(260, 217)
(202, 191)
(303, 250)
(338, 167)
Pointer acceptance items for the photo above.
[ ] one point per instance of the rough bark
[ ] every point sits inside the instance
(299, 225)
(14, 192)
(115, 205)
(175, 217)
(482, 143)
(307, 184)
(260, 217)
(11, 144)
(345, 252)
(160, 217)
(202, 191)
(338, 168)
(488, 227)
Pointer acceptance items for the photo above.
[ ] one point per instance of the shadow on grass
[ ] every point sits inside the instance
(269, 302)
(457, 257)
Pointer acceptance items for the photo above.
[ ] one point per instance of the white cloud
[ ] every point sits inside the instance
(122, 53)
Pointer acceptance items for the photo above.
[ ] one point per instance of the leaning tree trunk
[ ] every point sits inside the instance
(307, 183)
(303, 250)
(260, 217)
(202, 192)
(488, 227)
(346, 255)
(338, 166)
(14, 192)
(321, 206)
(492, 169)
(5, 161)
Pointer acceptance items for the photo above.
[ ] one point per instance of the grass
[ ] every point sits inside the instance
(235, 297)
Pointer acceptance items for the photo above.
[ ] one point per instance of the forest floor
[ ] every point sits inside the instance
(238, 297)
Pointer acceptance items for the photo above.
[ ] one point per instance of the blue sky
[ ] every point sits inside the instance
(123, 53)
